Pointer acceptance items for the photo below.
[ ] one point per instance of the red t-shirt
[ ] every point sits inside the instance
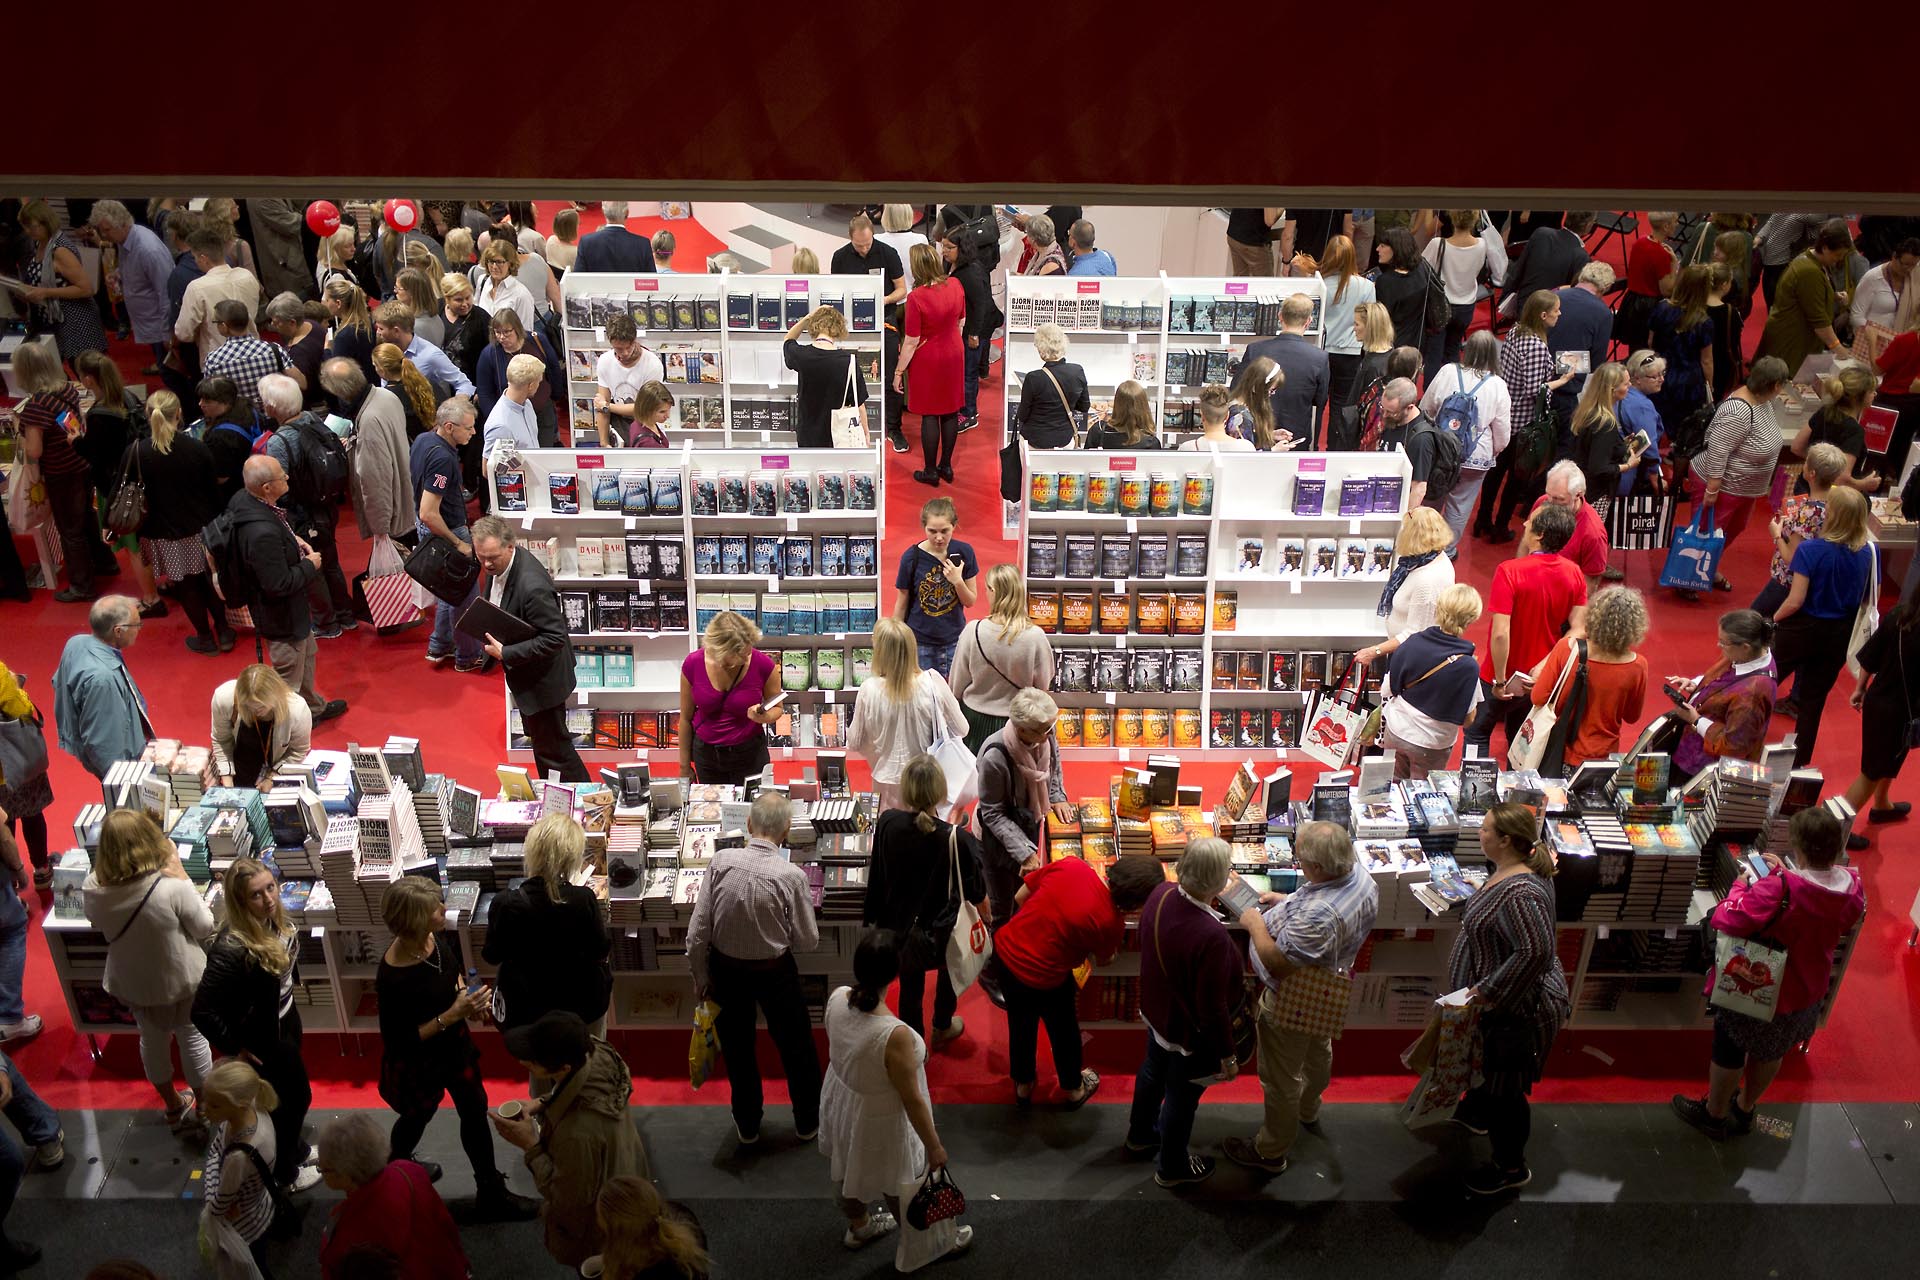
(1068, 916)
(1647, 265)
(1588, 545)
(1537, 592)
(1900, 364)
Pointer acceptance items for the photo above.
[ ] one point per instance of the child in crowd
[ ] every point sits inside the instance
(935, 586)
(239, 1207)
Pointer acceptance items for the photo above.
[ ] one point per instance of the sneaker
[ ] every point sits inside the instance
(968, 421)
(200, 644)
(477, 666)
(29, 1027)
(437, 659)
(1492, 1180)
(952, 1031)
(329, 632)
(51, 1154)
(305, 1180)
(879, 1223)
(348, 623)
(158, 609)
(1134, 1148)
(898, 441)
(1242, 1151)
(1199, 1169)
(1694, 1112)
(808, 1135)
(1477, 1130)
(962, 1241)
(744, 1138)
(333, 710)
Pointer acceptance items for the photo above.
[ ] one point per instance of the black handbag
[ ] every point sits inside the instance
(127, 508)
(1013, 479)
(438, 565)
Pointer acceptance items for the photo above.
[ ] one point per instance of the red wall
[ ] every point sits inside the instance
(1185, 101)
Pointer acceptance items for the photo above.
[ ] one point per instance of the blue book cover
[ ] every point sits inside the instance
(803, 615)
(606, 490)
(635, 493)
(739, 311)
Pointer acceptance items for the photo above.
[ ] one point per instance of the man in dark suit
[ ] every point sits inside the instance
(1301, 398)
(1551, 259)
(539, 668)
(275, 567)
(613, 247)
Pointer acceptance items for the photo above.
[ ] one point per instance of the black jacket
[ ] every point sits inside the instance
(539, 669)
(911, 882)
(976, 282)
(1551, 259)
(466, 340)
(230, 441)
(1043, 416)
(237, 1007)
(550, 955)
(277, 575)
(179, 487)
(614, 249)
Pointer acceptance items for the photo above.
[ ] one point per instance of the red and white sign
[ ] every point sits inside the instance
(1087, 286)
(590, 461)
(647, 285)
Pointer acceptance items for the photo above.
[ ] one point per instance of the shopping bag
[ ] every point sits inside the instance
(969, 946)
(1529, 746)
(1312, 1000)
(849, 431)
(1445, 1080)
(389, 590)
(916, 1247)
(23, 750)
(1747, 975)
(1333, 732)
(1641, 521)
(704, 1051)
(27, 507)
(1866, 619)
(1694, 559)
(963, 775)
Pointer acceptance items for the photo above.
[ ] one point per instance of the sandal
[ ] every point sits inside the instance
(1090, 1083)
(1721, 584)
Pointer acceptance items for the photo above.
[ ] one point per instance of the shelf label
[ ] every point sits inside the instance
(1110, 698)
(1353, 525)
(646, 284)
(1602, 932)
(1133, 524)
(1126, 753)
(1123, 464)
(1293, 585)
(793, 524)
(1317, 466)
(526, 521)
(590, 461)
(319, 931)
(599, 333)
(796, 286)
(632, 522)
(1086, 286)
(773, 583)
(829, 694)
(1236, 286)
(775, 462)
(642, 587)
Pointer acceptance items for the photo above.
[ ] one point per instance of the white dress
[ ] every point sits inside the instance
(864, 1128)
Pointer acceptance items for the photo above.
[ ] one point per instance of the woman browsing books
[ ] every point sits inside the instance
(1019, 784)
(1432, 684)
(727, 693)
(1728, 710)
(902, 710)
(259, 727)
(998, 656)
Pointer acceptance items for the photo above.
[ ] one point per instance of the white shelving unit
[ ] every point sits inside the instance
(1251, 497)
(656, 654)
(737, 408)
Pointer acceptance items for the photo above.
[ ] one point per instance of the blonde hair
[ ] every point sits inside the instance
(36, 369)
(459, 247)
(1825, 462)
(1254, 389)
(1423, 530)
(1457, 609)
(454, 285)
(332, 247)
(353, 304)
(640, 1233)
(925, 265)
(896, 217)
(235, 1082)
(805, 262)
(923, 787)
(392, 364)
(525, 370)
(501, 251)
(1616, 620)
(163, 419)
(1596, 401)
(730, 634)
(555, 850)
(896, 658)
(827, 322)
(1377, 331)
(258, 683)
(1846, 388)
(40, 214)
(131, 845)
(1846, 518)
(422, 294)
(267, 941)
(408, 905)
(1008, 591)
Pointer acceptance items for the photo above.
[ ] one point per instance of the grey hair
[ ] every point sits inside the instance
(1050, 340)
(259, 471)
(616, 211)
(493, 527)
(109, 612)
(1402, 390)
(1033, 709)
(355, 1146)
(342, 377)
(1041, 231)
(455, 409)
(110, 212)
(771, 816)
(1324, 846)
(286, 306)
(1825, 462)
(1597, 274)
(1569, 470)
(1203, 868)
(279, 395)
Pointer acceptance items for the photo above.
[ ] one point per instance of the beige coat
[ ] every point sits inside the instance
(292, 734)
(587, 1138)
(382, 480)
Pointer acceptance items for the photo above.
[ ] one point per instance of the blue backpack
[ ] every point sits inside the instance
(1459, 414)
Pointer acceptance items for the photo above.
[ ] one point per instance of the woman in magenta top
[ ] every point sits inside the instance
(723, 687)
(935, 310)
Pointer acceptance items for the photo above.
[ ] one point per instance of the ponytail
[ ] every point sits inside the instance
(1540, 859)
(876, 963)
(1517, 825)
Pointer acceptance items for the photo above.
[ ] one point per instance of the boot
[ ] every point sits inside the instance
(494, 1203)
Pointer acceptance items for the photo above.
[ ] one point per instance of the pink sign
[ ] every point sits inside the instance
(796, 286)
(1236, 286)
(1087, 286)
(590, 461)
(774, 462)
(647, 286)
(1122, 464)
(1317, 466)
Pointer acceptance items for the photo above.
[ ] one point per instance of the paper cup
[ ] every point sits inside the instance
(592, 1266)
(510, 1110)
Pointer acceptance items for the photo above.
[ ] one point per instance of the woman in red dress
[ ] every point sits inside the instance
(935, 310)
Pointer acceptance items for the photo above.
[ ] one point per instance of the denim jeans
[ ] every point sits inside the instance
(1459, 504)
(13, 956)
(1165, 1100)
(38, 1125)
(445, 639)
(977, 360)
(937, 657)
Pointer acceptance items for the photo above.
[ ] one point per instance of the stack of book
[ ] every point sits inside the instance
(1737, 795)
(1801, 791)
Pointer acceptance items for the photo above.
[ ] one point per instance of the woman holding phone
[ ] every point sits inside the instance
(725, 689)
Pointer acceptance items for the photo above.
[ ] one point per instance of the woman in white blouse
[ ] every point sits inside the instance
(501, 288)
(1460, 260)
(1421, 571)
(901, 710)
(1475, 373)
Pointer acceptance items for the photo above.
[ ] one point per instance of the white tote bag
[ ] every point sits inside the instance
(969, 946)
(912, 1249)
(962, 770)
(849, 431)
(1529, 746)
(1866, 619)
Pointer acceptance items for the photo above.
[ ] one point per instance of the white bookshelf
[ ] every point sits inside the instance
(751, 372)
(1252, 497)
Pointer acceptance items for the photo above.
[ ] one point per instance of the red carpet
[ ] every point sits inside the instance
(1866, 1053)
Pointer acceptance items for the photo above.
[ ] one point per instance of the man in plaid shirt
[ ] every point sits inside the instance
(244, 357)
(1322, 925)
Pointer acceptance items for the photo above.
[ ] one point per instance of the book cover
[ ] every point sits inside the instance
(734, 558)
(1116, 556)
(1111, 670)
(1323, 558)
(1283, 671)
(1356, 495)
(1185, 668)
(1190, 555)
(1072, 670)
(1250, 555)
(1309, 495)
(563, 493)
(831, 560)
(636, 492)
(1386, 494)
(1226, 610)
(862, 555)
(1082, 555)
(1043, 555)
(763, 494)
(1096, 727)
(1353, 558)
(1226, 669)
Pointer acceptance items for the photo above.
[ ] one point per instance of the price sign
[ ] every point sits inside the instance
(1236, 286)
(646, 284)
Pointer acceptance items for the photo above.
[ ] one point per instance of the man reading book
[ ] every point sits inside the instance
(539, 668)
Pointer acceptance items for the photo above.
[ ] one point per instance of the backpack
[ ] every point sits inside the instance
(983, 234)
(320, 467)
(253, 435)
(551, 338)
(1369, 416)
(1460, 413)
(223, 549)
(1445, 471)
(1689, 438)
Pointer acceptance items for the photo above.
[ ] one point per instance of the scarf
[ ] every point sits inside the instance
(1034, 764)
(1402, 568)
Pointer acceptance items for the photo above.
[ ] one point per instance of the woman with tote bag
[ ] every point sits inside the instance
(26, 788)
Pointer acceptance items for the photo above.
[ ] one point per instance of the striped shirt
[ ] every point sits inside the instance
(1743, 448)
(234, 1188)
(755, 906)
(1506, 949)
(1526, 364)
(1322, 924)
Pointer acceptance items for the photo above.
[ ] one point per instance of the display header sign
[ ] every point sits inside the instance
(1087, 286)
(796, 286)
(590, 461)
(1314, 466)
(1236, 286)
(774, 462)
(647, 285)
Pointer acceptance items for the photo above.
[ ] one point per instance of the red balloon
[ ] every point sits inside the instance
(323, 217)
(402, 215)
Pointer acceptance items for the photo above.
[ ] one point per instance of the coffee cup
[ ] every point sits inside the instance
(510, 1109)
(592, 1267)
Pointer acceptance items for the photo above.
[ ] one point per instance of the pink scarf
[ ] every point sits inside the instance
(1035, 764)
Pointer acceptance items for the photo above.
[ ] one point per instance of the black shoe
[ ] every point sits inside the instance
(158, 609)
(17, 1255)
(1502, 537)
(497, 1204)
(71, 596)
(334, 709)
(227, 641)
(924, 477)
(329, 632)
(431, 1166)
(1858, 843)
(898, 441)
(1899, 809)
(1199, 1169)
(1493, 1180)
(1740, 1123)
(1787, 707)
(348, 623)
(200, 644)
(1694, 1112)
(946, 473)
(968, 421)
(991, 985)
